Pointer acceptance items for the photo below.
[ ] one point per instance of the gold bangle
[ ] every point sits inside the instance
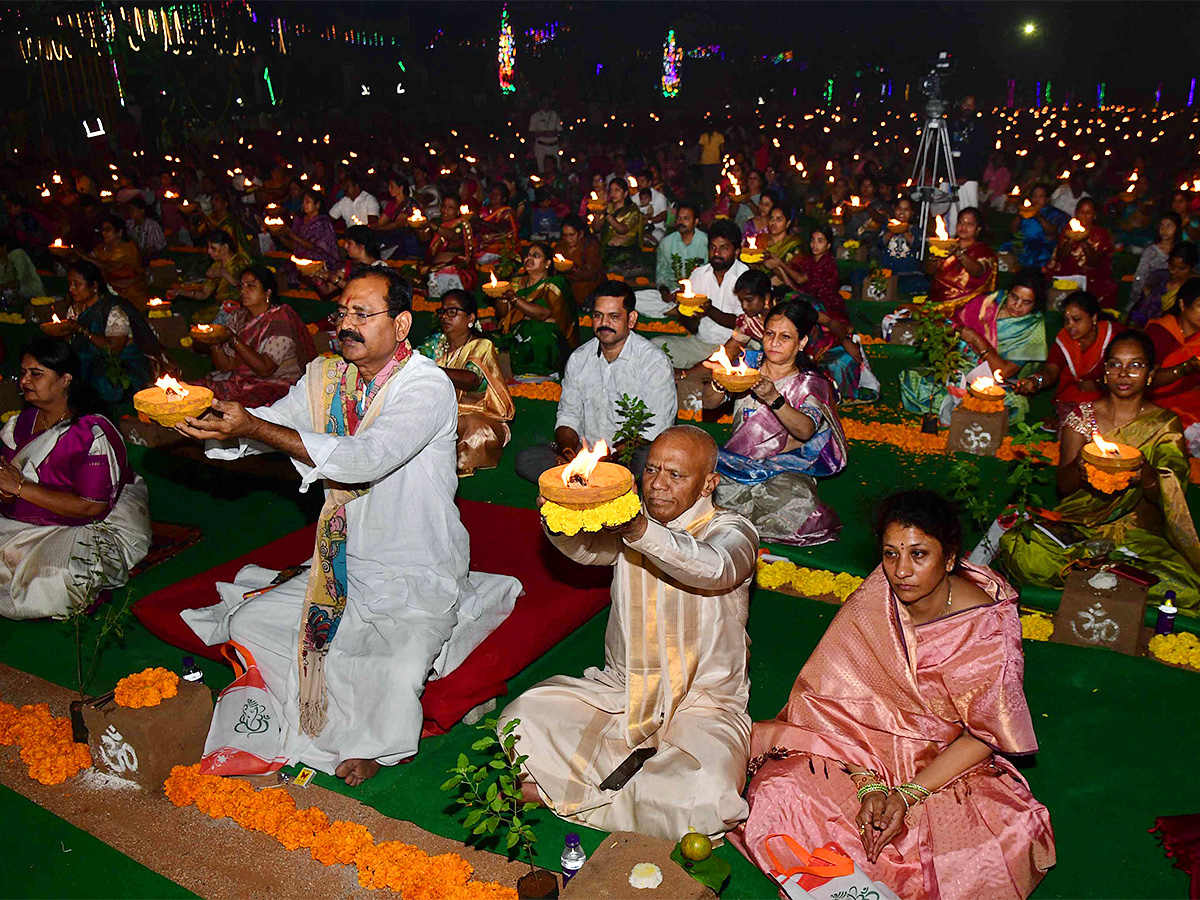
(20, 487)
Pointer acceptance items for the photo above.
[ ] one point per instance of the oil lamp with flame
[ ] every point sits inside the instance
(752, 254)
(595, 204)
(588, 484)
(1108, 466)
(690, 303)
(168, 402)
(942, 243)
(734, 379)
(895, 226)
(1075, 230)
(562, 264)
(209, 334)
(56, 327)
(495, 288)
(416, 219)
(307, 267)
(985, 395)
(158, 303)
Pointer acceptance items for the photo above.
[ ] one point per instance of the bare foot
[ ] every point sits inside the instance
(529, 793)
(355, 771)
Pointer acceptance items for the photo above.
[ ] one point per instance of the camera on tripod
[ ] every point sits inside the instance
(931, 84)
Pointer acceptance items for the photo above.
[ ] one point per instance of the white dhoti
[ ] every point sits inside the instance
(412, 608)
(675, 679)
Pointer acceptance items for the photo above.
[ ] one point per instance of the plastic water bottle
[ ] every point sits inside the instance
(191, 671)
(1166, 614)
(572, 858)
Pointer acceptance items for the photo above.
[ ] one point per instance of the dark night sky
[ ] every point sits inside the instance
(1131, 46)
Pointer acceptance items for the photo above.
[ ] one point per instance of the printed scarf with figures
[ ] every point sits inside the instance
(341, 403)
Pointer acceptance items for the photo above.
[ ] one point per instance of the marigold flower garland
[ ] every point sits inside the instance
(47, 746)
(1110, 482)
(537, 390)
(1036, 627)
(1180, 649)
(564, 520)
(390, 865)
(774, 575)
(645, 325)
(915, 441)
(148, 687)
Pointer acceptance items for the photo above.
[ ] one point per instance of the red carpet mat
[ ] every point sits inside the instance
(166, 542)
(559, 597)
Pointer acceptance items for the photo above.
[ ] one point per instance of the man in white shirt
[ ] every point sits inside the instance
(544, 126)
(615, 362)
(715, 281)
(345, 651)
(357, 207)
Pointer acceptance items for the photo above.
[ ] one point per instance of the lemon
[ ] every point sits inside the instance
(695, 846)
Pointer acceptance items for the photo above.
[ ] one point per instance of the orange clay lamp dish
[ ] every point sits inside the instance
(895, 226)
(309, 267)
(587, 494)
(56, 327)
(985, 395)
(59, 249)
(158, 303)
(274, 224)
(1076, 231)
(1027, 210)
(496, 288)
(1110, 467)
(943, 243)
(690, 303)
(734, 379)
(209, 334)
(169, 402)
(752, 254)
(595, 204)
(562, 264)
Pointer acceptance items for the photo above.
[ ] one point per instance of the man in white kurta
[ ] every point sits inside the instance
(406, 552)
(675, 664)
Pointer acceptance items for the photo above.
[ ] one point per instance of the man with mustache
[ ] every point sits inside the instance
(616, 362)
(345, 650)
(674, 687)
(713, 325)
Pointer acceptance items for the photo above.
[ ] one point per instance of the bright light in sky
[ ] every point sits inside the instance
(1030, 27)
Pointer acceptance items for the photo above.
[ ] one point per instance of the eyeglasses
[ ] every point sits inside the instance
(449, 312)
(358, 318)
(1134, 367)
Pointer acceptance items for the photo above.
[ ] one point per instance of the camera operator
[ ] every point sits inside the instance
(971, 139)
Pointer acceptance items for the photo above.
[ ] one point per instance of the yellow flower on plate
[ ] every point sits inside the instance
(807, 582)
(564, 520)
(1035, 627)
(185, 341)
(1182, 649)
(43, 301)
(851, 244)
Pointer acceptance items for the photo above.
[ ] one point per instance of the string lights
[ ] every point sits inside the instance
(507, 55)
(672, 57)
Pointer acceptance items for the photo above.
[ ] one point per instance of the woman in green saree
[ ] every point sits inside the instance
(1003, 332)
(778, 244)
(620, 230)
(1150, 518)
(538, 323)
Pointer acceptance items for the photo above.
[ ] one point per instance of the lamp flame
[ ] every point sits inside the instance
(464, 210)
(854, 200)
(1016, 191)
(1077, 226)
(721, 358)
(1027, 204)
(58, 242)
(687, 287)
(272, 221)
(297, 261)
(940, 229)
(1105, 447)
(155, 301)
(55, 318)
(753, 242)
(172, 388)
(580, 468)
(559, 258)
(494, 281)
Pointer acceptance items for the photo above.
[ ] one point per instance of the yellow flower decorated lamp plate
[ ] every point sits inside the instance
(587, 495)
(1181, 649)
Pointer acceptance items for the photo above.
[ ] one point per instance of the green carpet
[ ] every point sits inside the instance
(49, 857)
(1109, 726)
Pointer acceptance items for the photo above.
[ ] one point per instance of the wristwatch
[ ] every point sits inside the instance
(778, 403)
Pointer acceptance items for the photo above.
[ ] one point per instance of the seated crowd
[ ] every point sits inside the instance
(912, 702)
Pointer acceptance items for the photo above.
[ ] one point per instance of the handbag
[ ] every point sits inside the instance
(826, 873)
(246, 735)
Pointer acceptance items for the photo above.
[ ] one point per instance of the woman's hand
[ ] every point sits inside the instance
(885, 825)
(11, 479)
(972, 338)
(1025, 386)
(771, 262)
(870, 819)
(765, 390)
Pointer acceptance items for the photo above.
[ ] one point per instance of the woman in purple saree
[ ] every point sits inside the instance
(74, 518)
(786, 434)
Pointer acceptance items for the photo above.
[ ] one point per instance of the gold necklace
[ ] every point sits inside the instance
(949, 593)
(49, 425)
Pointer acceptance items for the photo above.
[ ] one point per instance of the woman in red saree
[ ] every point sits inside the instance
(1090, 255)
(261, 361)
(497, 231)
(969, 270)
(894, 740)
(451, 254)
(817, 275)
(1076, 361)
(1176, 338)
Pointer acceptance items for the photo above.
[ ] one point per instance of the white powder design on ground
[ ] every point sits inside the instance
(103, 781)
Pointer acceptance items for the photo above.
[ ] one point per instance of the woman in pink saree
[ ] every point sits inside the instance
(895, 738)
